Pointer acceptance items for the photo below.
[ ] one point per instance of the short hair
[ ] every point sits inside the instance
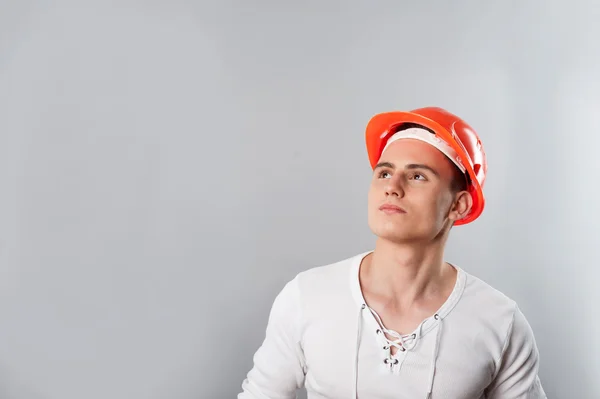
(460, 180)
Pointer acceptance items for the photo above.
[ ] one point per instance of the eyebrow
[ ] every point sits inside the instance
(385, 165)
(408, 167)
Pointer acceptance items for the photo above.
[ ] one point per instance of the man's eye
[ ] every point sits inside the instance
(384, 175)
(418, 176)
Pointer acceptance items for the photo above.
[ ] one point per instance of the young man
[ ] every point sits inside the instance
(398, 321)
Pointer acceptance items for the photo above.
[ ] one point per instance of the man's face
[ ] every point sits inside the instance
(410, 197)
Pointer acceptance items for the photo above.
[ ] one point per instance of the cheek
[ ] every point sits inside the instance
(372, 204)
(431, 204)
(375, 193)
(374, 199)
(443, 204)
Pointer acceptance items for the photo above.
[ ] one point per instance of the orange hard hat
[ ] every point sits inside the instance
(451, 129)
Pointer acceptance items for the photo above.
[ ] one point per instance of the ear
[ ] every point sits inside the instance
(463, 202)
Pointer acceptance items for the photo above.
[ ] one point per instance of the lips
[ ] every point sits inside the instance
(390, 208)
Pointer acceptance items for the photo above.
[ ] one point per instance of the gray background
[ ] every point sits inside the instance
(166, 167)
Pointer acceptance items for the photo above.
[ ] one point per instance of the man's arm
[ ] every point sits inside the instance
(517, 376)
(279, 368)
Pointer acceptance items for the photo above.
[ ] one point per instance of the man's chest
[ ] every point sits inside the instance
(339, 357)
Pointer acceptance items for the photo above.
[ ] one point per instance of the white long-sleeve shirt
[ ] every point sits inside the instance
(322, 335)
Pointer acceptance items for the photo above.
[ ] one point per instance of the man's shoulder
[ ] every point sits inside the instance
(484, 302)
(332, 269)
(495, 319)
(329, 279)
(477, 286)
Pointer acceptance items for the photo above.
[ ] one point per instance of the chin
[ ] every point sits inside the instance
(396, 232)
(400, 231)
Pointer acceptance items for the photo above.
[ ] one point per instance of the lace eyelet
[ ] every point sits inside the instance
(386, 348)
(414, 336)
(378, 331)
(436, 316)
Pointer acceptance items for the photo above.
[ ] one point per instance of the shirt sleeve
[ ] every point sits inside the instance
(279, 367)
(517, 376)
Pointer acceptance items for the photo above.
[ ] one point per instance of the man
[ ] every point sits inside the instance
(398, 321)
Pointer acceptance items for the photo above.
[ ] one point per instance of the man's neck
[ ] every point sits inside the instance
(403, 276)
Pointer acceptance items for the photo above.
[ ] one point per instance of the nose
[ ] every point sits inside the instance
(394, 187)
